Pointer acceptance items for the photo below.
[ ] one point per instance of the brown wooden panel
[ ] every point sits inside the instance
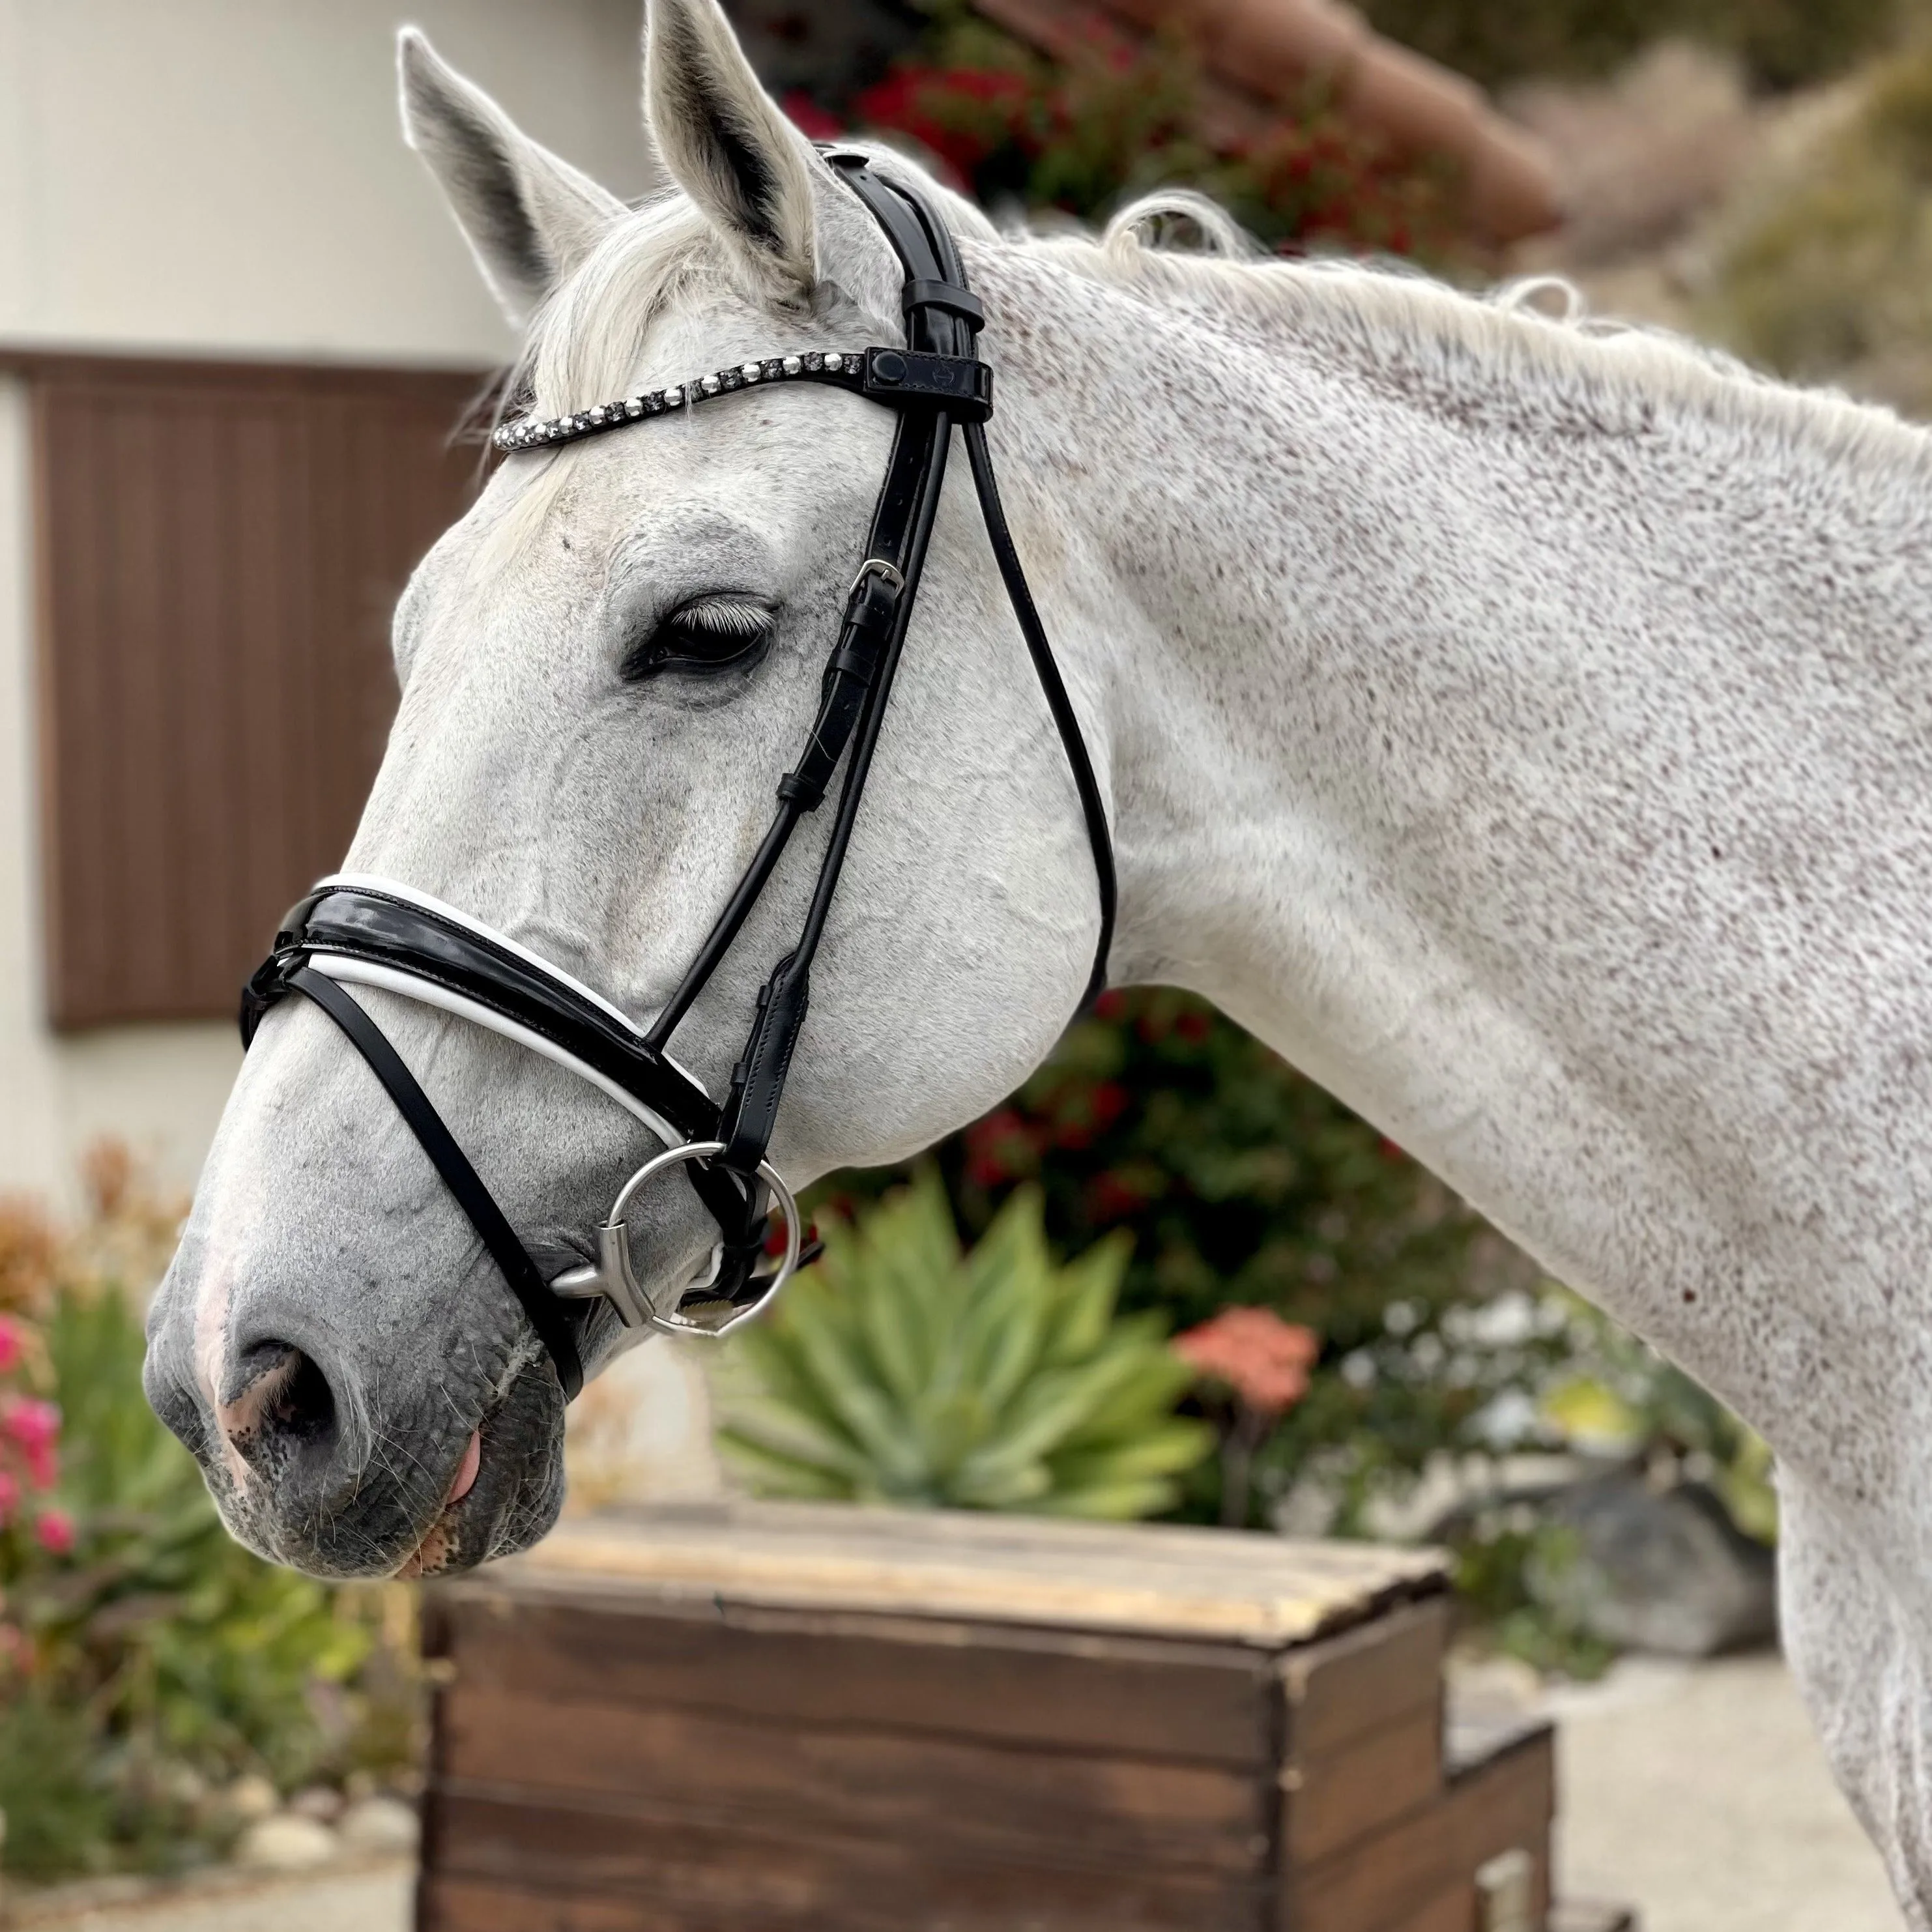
(1365, 1730)
(1062, 1804)
(1181, 1702)
(218, 546)
(1354, 1790)
(444, 1904)
(1379, 1674)
(1456, 1910)
(1384, 1883)
(689, 1874)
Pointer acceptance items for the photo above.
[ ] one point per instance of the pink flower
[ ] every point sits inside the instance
(34, 1425)
(9, 1495)
(13, 1343)
(1264, 1359)
(43, 1467)
(55, 1529)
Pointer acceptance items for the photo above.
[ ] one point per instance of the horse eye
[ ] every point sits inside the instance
(707, 633)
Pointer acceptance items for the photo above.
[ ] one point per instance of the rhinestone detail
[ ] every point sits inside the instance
(532, 431)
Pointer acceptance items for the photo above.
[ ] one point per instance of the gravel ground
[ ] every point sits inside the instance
(1699, 1795)
(378, 1897)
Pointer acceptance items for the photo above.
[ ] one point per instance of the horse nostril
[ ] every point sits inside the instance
(283, 1404)
(306, 1412)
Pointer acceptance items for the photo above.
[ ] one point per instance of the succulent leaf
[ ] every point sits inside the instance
(906, 1370)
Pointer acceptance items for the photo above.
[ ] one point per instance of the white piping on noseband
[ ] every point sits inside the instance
(346, 969)
(342, 967)
(370, 882)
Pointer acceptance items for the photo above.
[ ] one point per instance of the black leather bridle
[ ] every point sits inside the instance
(353, 931)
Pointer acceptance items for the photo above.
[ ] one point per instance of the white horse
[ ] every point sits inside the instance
(1527, 732)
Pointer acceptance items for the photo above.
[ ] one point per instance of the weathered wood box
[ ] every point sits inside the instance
(770, 1719)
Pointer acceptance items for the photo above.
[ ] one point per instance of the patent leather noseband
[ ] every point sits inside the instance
(352, 931)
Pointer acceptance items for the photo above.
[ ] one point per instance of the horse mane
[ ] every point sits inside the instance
(1501, 351)
(1499, 356)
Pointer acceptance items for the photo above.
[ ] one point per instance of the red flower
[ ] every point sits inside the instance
(1264, 1359)
(1092, 1113)
(962, 115)
(1111, 1197)
(1002, 1147)
(809, 118)
(1194, 1026)
(55, 1529)
(1112, 1004)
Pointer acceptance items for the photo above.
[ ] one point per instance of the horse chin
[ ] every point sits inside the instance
(519, 1487)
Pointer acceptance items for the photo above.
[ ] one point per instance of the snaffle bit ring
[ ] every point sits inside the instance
(612, 1277)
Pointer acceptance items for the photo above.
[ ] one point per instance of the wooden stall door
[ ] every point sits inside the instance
(219, 547)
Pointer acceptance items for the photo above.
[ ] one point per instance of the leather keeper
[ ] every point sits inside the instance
(955, 301)
(757, 1082)
(962, 386)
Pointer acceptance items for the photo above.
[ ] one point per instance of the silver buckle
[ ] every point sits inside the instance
(612, 1277)
(877, 566)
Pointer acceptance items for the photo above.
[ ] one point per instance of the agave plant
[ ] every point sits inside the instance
(903, 1369)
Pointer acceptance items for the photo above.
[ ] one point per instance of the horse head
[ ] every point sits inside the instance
(605, 667)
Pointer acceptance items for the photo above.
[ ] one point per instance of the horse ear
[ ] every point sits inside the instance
(724, 141)
(529, 217)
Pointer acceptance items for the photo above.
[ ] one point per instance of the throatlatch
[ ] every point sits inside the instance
(354, 931)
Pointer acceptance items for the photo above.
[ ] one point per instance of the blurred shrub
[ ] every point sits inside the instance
(1782, 43)
(1828, 277)
(1497, 1550)
(902, 1370)
(146, 1660)
(1618, 1398)
(1085, 135)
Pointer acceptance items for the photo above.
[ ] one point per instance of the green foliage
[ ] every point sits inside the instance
(1496, 1553)
(1781, 43)
(59, 1809)
(903, 1370)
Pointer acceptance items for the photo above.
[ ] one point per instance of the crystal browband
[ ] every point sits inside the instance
(962, 386)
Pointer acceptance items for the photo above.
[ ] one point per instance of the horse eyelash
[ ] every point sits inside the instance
(724, 617)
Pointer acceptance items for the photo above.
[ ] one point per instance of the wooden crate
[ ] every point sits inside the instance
(777, 1719)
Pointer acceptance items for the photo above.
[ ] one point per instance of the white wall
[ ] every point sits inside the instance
(225, 177)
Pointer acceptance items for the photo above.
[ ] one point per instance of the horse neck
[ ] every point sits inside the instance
(1498, 745)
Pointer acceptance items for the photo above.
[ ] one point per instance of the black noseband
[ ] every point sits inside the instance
(378, 933)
